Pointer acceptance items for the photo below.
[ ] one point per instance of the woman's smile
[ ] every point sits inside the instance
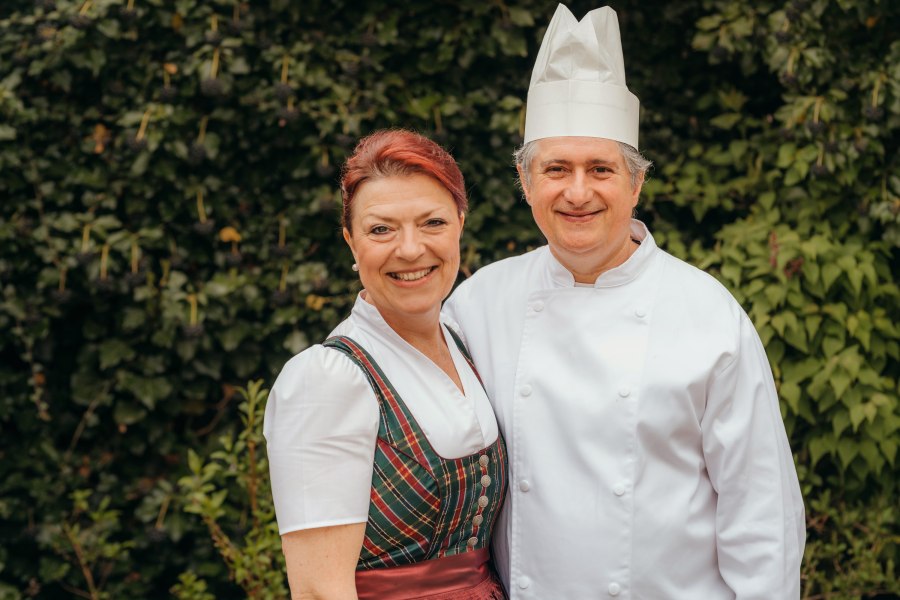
(412, 276)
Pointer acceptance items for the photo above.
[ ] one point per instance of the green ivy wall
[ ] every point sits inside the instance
(169, 230)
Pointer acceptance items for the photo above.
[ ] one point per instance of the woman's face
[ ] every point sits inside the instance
(405, 240)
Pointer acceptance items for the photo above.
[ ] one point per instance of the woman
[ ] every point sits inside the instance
(387, 467)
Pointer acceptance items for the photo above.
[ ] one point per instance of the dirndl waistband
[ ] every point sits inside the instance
(467, 573)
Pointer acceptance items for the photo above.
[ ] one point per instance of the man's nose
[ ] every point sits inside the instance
(410, 246)
(578, 191)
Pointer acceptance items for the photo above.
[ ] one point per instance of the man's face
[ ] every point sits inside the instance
(582, 200)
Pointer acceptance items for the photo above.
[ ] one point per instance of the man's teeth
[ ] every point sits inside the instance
(412, 276)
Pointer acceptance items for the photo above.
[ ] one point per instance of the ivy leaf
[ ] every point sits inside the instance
(819, 447)
(128, 413)
(790, 393)
(114, 351)
(889, 448)
(840, 381)
(520, 16)
(726, 121)
(857, 415)
(840, 422)
(847, 449)
(869, 451)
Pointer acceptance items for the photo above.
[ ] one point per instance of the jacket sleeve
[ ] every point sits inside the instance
(760, 524)
(453, 309)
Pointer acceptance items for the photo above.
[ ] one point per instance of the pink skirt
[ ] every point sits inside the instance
(465, 576)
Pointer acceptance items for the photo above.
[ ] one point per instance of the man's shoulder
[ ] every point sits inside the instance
(704, 290)
(502, 272)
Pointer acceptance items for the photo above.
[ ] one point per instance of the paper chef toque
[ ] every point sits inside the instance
(578, 83)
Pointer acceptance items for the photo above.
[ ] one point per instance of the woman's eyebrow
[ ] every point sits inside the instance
(379, 217)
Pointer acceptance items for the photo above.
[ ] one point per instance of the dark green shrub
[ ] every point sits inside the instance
(137, 138)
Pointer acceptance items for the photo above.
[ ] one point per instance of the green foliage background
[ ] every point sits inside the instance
(132, 133)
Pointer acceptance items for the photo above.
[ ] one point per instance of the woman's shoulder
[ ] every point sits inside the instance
(321, 370)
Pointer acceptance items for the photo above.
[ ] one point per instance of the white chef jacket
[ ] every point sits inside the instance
(648, 457)
(321, 420)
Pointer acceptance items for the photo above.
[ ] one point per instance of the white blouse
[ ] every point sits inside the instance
(321, 421)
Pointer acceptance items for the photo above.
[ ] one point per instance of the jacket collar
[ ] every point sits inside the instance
(560, 277)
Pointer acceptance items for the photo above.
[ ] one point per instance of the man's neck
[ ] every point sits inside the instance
(587, 268)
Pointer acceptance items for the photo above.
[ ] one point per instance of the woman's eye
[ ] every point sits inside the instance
(435, 222)
(379, 230)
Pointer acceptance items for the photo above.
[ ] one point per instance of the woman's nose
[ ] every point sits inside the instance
(410, 246)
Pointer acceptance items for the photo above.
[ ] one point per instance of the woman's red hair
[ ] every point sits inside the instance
(399, 152)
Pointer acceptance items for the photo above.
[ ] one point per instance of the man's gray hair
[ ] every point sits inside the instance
(635, 162)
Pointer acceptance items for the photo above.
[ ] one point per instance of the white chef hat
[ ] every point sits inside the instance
(578, 83)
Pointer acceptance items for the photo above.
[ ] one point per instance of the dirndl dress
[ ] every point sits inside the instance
(430, 518)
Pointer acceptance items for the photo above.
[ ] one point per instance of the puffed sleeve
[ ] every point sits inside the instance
(321, 427)
(760, 524)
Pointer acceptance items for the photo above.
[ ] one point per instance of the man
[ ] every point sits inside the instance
(648, 458)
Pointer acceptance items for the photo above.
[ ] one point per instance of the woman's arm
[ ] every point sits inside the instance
(321, 562)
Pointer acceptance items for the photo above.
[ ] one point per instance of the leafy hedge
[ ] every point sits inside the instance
(168, 229)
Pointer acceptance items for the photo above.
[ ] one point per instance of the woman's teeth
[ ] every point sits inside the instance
(413, 275)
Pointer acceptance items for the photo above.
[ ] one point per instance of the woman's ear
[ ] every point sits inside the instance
(462, 223)
(348, 237)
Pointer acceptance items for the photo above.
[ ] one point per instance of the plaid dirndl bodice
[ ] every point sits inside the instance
(423, 506)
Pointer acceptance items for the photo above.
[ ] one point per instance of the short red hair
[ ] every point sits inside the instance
(399, 152)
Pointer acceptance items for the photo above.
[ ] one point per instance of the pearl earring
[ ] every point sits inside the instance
(355, 267)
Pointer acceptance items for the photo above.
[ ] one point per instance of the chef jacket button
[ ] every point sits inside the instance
(537, 306)
(483, 501)
(471, 542)
(483, 460)
(614, 589)
(525, 390)
(619, 489)
(478, 520)
(640, 313)
(624, 392)
(485, 480)
(524, 485)
(523, 582)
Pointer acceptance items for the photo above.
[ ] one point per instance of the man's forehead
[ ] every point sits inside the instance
(580, 149)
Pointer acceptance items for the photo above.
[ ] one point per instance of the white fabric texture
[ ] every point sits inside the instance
(321, 421)
(648, 457)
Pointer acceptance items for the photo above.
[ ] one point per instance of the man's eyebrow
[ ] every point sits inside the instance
(568, 163)
(555, 161)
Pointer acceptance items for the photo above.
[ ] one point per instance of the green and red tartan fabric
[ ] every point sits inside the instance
(423, 506)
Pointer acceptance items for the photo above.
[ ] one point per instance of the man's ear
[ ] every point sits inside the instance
(522, 179)
(636, 191)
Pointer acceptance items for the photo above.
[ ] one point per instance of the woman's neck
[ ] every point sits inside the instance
(422, 331)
